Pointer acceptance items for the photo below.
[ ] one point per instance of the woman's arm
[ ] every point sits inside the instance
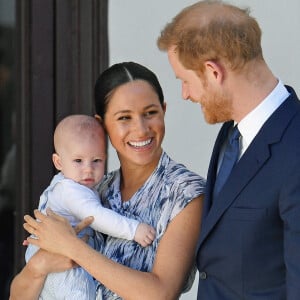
(174, 258)
(29, 282)
(27, 285)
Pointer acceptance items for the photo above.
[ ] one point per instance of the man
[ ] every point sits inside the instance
(249, 246)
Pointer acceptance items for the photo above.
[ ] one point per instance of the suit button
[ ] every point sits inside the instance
(202, 275)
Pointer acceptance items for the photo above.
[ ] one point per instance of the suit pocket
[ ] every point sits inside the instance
(246, 214)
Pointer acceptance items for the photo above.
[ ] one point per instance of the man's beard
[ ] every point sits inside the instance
(217, 107)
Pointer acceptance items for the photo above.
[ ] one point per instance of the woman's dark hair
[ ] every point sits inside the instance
(119, 74)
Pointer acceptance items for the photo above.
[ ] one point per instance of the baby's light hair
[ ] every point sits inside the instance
(75, 126)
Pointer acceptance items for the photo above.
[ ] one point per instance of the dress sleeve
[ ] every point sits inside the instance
(189, 187)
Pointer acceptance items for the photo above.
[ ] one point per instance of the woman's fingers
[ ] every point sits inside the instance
(39, 215)
(29, 228)
(31, 224)
(55, 216)
(30, 220)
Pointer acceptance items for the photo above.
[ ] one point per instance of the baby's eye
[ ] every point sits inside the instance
(78, 160)
(96, 160)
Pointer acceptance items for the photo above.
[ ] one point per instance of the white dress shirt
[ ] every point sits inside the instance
(250, 125)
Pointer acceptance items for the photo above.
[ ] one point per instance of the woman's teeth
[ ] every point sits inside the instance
(140, 144)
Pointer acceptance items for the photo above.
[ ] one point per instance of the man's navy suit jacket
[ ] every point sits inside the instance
(249, 246)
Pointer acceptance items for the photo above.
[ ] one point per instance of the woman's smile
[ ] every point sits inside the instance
(140, 144)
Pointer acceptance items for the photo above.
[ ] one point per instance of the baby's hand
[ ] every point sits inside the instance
(145, 234)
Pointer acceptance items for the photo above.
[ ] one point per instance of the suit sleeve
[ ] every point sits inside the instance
(290, 213)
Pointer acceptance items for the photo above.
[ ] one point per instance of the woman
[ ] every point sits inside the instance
(149, 186)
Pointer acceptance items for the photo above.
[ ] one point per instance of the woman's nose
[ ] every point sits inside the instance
(141, 125)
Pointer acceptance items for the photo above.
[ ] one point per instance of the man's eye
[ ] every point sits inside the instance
(151, 112)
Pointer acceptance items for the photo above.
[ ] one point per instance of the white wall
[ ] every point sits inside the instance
(134, 26)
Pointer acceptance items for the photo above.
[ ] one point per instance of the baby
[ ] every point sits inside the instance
(80, 156)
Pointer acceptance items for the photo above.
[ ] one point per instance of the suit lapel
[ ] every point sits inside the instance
(250, 163)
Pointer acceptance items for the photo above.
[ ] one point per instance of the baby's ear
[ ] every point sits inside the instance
(56, 161)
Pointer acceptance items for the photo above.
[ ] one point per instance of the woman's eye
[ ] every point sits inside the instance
(123, 118)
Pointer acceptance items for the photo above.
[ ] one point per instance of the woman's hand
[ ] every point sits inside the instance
(53, 232)
(43, 262)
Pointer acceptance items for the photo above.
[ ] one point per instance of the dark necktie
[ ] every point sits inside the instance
(230, 157)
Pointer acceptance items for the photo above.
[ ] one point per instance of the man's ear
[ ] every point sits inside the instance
(56, 161)
(215, 70)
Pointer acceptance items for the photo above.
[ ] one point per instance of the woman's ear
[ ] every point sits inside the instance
(101, 121)
(56, 161)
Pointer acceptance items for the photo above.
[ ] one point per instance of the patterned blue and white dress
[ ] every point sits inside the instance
(165, 194)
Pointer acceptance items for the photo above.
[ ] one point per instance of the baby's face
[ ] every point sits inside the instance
(83, 160)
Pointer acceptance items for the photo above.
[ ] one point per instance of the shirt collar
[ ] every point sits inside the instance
(251, 124)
